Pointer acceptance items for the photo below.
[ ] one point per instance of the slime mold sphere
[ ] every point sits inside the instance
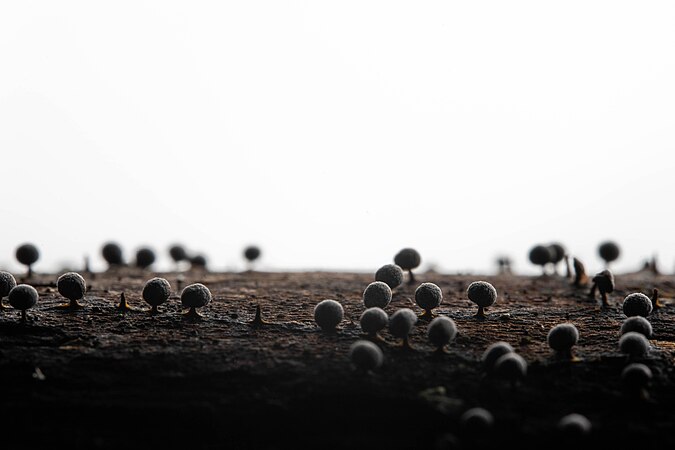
(178, 253)
(365, 355)
(638, 324)
(198, 262)
(635, 378)
(27, 254)
(195, 296)
(112, 253)
(540, 256)
(328, 314)
(145, 257)
(574, 425)
(493, 353)
(390, 274)
(401, 324)
(511, 367)
(72, 286)
(609, 251)
(637, 304)
(408, 259)
(558, 253)
(377, 294)
(634, 344)
(482, 294)
(441, 331)
(7, 283)
(374, 320)
(23, 297)
(428, 296)
(155, 292)
(562, 338)
(477, 420)
(251, 253)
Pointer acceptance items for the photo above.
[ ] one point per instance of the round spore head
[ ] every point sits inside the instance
(391, 274)
(446, 441)
(112, 253)
(27, 254)
(441, 331)
(482, 293)
(511, 366)
(156, 291)
(365, 355)
(557, 252)
(145, 257)
(251, 253)
(636, 376)
(493, 353)
(637, 304)
(23, 297)
(377, 294)
(374, 320)
(71, 285)
(178, 253)
(476, 420)
(328, 314)
(198, 261)
(402, 322)
(638, 324)
(540, 255)
(574, 425)
(195, 296)
(562, 337)
(428, 296)
(605, 281)
(634, 344)
(408, 259)
(7, 283)
(609, 251)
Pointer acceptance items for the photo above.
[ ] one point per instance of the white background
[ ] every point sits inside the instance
(333, 134)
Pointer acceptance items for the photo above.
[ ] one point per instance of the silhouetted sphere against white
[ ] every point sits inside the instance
(71, 285)
(493, 353)
(402, 322)
(634, 344)
(328, 314)
(112, 253)
(23, 297)
(195, 296)
(441, 331)
(428, 296)
(178, 253)
(557, 252)
(476, 420)
(156, 291)
(609, 251)
(408, 259)
(27, 254)
(391, 274)
(638, 324)
(374, 320)
(637, 304)
(636, 376)
(377, 294)
(562, 337)
(511, 366)
(7, 283)
(574, 425)
(366, 355)
(145, 257)
(482, 293)
(540, 255)
(251, 253)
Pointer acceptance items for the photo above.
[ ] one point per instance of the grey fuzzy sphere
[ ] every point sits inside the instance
(374, 320)
(390, 274)
(365, 355)
(402, 322)
(636, 375)
(511, 366)
(112, 253)
(408, 258)
(178, 253)
(477, 420)
(145, 257)
(637, 304)
(605, 281)
(494, 352)
(609, 251)
(71, 285)
(156, 291)
(328, 314)
(482, 293)
(27, 254)
(638, 324)
(428, 296)
(23, 297)
(7, 283)
(634, 344)
(441, 331)
(195, 295)
(540, 255)
(377, 294)
(574, 424)
(562, 337)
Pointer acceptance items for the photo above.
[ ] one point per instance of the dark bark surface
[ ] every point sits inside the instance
(99, 378)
